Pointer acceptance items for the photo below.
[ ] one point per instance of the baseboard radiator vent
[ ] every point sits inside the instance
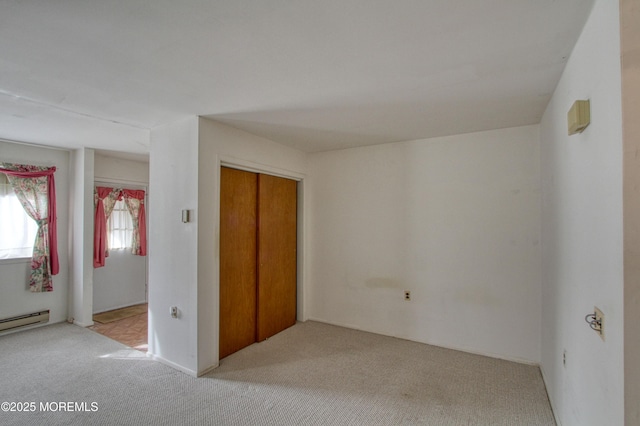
(24, 320)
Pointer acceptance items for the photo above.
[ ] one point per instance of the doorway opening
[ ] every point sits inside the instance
(120, 277)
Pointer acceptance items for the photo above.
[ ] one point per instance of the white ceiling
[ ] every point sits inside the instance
(312, 74)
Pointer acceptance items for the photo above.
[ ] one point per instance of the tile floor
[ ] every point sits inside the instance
(130, 331)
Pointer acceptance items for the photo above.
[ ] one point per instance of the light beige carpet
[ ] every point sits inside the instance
(310, 374)
(118, 314)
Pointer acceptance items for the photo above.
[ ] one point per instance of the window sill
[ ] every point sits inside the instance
(15, 260)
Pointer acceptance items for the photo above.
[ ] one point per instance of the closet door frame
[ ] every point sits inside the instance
(249, 166)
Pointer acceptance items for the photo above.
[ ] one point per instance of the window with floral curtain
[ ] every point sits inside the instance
(34, 187)
(119, 222)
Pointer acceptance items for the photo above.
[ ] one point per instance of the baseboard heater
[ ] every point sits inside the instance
(23, 320)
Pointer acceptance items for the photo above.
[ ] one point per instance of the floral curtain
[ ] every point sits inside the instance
(134, 199)
(35, 188)
(104, 199)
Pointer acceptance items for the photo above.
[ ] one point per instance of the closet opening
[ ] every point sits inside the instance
(258, 257)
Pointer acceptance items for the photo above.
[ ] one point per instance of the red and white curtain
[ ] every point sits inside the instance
(35, 188)
(134, 200)
(105, 200)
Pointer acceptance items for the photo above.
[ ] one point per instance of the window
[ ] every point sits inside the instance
(120, 227)
(17, 229)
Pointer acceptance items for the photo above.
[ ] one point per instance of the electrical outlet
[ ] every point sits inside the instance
(174, 312)
(407, 295)
(600, 321)
(564, 358)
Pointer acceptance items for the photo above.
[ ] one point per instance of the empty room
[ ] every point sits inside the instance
(331, 212)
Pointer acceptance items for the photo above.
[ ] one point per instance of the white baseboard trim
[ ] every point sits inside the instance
(546, 388)
(172, 364)
(469, 351)
(120, 307)
(208, 370)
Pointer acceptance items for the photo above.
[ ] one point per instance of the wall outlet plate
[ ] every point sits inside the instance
(600, 320)
(407, 295)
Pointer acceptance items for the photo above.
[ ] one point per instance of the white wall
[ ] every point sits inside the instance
(455, 220)
(16, 298)
(121, 170)
(123, 279)
(582, 231)
(173, 245)
(121, 282)
(81, 189)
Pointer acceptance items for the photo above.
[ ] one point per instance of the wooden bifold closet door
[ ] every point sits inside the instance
(257, 257)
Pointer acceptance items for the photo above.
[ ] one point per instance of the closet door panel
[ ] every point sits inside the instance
(238, 254)
(277, 232)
